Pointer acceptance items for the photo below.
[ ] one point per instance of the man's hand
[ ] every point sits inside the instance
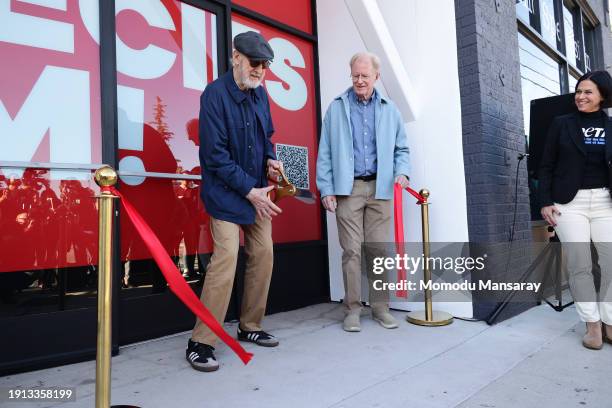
(549, 214)
(402, 181)
(330, 203)
(263, 205)
(274, 169)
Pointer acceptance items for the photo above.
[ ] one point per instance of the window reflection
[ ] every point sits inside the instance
(160, 113)
(548, 22)
(589, 47)
(523, 9)
(570, 43)
(539, 76)
(48, 245)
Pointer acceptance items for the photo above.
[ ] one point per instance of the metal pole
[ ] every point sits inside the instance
(428, 317)
(104, 177)
(426, 252)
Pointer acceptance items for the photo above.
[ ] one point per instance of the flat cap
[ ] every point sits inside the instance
(254, 46)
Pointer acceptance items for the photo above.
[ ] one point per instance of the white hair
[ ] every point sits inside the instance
(364, 55)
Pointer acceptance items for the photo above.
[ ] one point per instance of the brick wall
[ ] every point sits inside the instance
(492, 120)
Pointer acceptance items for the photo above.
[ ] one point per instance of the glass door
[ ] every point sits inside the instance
(167, 53)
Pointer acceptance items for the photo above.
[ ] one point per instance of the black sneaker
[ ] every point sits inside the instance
(201, 356)
(261, 338)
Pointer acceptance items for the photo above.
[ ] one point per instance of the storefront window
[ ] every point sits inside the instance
(294, 13)
(609, 15)
(539, 76)
(167, 52)
(589, 47)
(525, 10)
(549, 22)
(571, 46)
(49, 113)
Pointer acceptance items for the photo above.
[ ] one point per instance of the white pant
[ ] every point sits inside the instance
(588, 217)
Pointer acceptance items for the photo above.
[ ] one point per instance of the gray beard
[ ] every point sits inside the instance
(251, 83)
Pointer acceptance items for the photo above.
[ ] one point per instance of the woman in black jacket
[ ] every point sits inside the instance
(574, 191)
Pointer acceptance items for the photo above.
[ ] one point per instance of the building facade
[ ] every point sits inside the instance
(88, 82)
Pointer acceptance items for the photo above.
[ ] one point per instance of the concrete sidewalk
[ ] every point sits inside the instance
(532, 360)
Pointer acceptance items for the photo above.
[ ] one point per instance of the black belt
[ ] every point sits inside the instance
(369, 177)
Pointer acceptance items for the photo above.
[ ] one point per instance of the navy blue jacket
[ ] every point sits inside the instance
(227, 158)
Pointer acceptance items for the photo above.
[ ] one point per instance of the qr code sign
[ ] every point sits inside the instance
(295, 162)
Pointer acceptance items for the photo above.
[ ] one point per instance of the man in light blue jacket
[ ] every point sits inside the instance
(363, 150)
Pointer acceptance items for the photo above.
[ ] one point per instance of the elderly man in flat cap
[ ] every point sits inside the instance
(237, 157)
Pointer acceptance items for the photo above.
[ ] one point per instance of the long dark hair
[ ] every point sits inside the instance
(603, 81)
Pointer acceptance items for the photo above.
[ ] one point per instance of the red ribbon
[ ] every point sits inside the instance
(175, 280)
(398, 216)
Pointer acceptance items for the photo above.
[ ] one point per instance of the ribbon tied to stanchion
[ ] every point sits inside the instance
(175, 280)
(398, 216)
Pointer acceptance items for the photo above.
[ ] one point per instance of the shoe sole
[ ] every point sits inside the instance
(260, 344)
(387, 326)
(352, 329)
(592, 347)
(204, 369)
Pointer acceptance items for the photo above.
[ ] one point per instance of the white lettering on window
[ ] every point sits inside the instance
(238, 28)
(152, 61)
(16, 28)
(130, 118)
(286, 56)
(90, 14)
(194, 47)
(58, 104)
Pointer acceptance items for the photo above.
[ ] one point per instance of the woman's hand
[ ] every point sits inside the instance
(549, 213)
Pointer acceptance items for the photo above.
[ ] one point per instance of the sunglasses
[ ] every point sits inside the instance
(264, 64)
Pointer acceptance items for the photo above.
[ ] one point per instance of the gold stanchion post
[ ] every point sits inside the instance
(105, 177)
(427, 317)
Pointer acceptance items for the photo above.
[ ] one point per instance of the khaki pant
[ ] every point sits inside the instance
(221, 270)
(361, 218)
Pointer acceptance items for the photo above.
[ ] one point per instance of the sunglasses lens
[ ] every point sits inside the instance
(255, 64)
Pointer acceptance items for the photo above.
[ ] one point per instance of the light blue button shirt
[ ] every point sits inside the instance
(364, 133)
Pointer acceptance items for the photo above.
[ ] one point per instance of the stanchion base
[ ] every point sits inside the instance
(438, 318)
(124, 406)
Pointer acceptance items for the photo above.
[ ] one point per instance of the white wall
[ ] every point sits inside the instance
(423, 34)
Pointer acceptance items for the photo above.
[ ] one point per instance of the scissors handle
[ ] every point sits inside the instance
(283, 188)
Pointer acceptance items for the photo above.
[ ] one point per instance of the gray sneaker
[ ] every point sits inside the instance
(351, 323)
(385, 319)
(201, 356)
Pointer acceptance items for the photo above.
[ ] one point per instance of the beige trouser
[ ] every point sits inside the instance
(221, 270)
(361, 217)
(588, 217)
